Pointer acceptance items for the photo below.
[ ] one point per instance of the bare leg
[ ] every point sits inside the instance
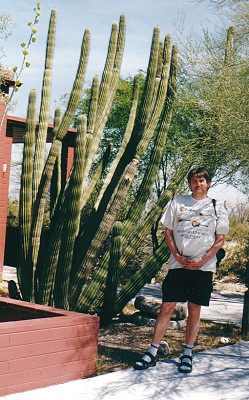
(192, 330)
(193, 323)
(162, 321)
(161, 326)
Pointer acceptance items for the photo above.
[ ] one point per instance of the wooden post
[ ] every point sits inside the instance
(245, 317)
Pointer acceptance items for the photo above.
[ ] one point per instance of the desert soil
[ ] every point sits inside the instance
(122, 343)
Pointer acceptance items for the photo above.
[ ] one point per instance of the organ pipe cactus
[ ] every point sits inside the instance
(25, 202)
(45, 105)
(112, 280)
(80, 267)
(88, 297)
(72, 220)
(55, 186)
(40, 200)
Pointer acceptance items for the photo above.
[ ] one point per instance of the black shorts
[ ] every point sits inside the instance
(183, 285)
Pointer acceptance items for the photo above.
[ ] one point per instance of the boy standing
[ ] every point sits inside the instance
(194, 232)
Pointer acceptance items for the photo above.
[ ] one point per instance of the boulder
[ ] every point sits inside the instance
(150, 307)
(164, 349)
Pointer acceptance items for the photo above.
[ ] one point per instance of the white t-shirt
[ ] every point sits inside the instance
(194, 225)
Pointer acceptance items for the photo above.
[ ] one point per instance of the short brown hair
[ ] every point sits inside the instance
(201, 172)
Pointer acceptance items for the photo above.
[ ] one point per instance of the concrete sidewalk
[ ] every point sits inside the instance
(218, 374)
(225, 306)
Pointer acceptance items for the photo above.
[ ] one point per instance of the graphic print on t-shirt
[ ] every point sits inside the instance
(195, 221)
(194, 225)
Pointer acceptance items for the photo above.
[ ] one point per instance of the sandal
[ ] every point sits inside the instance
(186, 361)
(145, 364)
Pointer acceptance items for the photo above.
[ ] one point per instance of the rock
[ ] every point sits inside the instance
(224, 340)
(164, 349)
(177, 324)
(140, 320)
(150, 307)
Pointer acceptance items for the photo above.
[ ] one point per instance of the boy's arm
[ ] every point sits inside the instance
(196, 263)
(169, 238)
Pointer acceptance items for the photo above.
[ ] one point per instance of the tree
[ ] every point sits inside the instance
(6, 27)
(212, 107)
(14, 74)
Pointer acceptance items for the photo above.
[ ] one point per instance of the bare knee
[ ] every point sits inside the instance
(167, 308)
(194, 309)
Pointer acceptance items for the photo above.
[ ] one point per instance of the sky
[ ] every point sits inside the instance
(73, 17)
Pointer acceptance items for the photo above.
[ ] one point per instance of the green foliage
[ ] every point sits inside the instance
(238, 230)
(210, 116)
(236, 262)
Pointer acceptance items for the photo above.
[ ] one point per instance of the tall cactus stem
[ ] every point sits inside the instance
(102, 234)
(39, 154)
(141, 277)
(71, 225)
(25, 207)
(55, 187)
(93, 105)
(112, 280)
(149, 177)
(108, 85)
(125, 140)
(150, 80)
(55, 148)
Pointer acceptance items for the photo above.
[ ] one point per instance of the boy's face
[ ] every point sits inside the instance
(199, 187)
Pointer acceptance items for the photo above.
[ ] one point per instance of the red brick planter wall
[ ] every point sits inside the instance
(42, 346)
(5, 158)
